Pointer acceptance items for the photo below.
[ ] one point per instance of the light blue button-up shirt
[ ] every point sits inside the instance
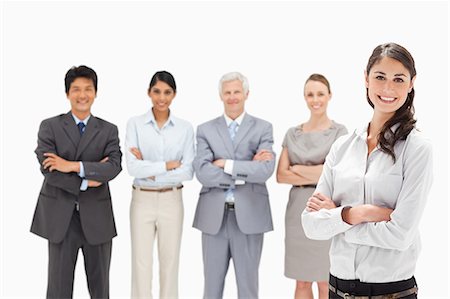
(174, 141)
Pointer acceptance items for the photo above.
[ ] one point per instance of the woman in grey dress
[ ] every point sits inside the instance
(304, 150)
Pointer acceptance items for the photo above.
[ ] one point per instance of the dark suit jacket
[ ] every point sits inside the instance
(60, 191)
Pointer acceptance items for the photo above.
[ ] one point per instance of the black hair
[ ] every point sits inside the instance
(77, 72)
(165, 77)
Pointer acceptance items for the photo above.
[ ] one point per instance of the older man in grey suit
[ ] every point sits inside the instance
(234, 160)
(79, 154)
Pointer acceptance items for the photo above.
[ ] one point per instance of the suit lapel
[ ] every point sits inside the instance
(92, 129)
(222, 128)
(71, 129)
(244, 128)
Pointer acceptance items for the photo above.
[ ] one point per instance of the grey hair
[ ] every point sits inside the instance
(234, 76)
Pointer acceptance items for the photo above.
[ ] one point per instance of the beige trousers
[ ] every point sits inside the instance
(155, 215)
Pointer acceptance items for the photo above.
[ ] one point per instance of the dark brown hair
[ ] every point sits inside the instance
(404, 116)
(320, 78)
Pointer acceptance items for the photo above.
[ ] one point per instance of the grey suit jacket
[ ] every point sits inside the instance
(60, 191)
(252, 206)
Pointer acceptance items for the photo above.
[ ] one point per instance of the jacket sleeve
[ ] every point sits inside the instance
(207, 173)
(257, 171)
(69, 182)
(104, 172)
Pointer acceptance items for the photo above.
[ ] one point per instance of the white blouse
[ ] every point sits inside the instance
(373, 251)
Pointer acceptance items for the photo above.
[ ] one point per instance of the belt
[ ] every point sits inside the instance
(401, 294)
(364, 290)
(229, 206)
(158, 190)
(305, 186)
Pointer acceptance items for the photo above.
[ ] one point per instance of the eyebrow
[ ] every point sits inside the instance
(396, 75)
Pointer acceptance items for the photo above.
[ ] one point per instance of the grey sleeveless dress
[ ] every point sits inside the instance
(305, 259)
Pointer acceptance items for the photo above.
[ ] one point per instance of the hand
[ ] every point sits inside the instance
(105, 159)
(172, 164)
(136, 152)
(219, 163)
(93, 184)
(263, 155)
(54, 162)
(319, 201)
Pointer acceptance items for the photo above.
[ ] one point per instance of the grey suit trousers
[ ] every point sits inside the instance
(244, 249)
(63, 258)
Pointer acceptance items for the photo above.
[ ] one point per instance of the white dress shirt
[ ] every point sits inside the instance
(373, 251)
(174, 141)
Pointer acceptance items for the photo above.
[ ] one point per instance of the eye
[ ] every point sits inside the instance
(168, 92)
(321, 94)
(399, 80)
(156, 91)
(379, 77)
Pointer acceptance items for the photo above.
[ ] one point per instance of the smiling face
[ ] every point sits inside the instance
(233, 98)
(388, 84)
(161, 95)
(317, 97)
(81, 95)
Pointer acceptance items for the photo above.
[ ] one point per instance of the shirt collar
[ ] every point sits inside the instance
(77, 120)
(150, 118)
(362, 131)
(238, 119)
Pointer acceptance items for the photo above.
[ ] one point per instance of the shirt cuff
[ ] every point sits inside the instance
(84, 185)
(81, 174)
(239, 182)
(336, 224)
(228, 168)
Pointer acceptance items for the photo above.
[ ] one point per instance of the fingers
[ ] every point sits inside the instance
(312, 205)
(49, 162)
(136, 152)
(105, 159)
(320, 196)
(92, 183)
(263, 155)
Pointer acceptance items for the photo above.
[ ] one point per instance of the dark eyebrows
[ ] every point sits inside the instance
(396, 75)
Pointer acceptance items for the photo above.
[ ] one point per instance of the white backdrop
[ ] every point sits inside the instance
(276, 45)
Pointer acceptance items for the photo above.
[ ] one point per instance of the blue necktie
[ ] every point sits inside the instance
(232, 129)
(81, 127)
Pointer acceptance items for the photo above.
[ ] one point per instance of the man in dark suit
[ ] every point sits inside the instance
(79, 154)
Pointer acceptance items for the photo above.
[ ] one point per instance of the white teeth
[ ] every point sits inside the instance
(387, 99)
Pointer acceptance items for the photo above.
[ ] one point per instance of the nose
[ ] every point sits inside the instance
(388, 87)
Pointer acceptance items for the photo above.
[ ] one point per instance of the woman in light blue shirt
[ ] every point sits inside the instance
(373, 188)
(159, 155)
